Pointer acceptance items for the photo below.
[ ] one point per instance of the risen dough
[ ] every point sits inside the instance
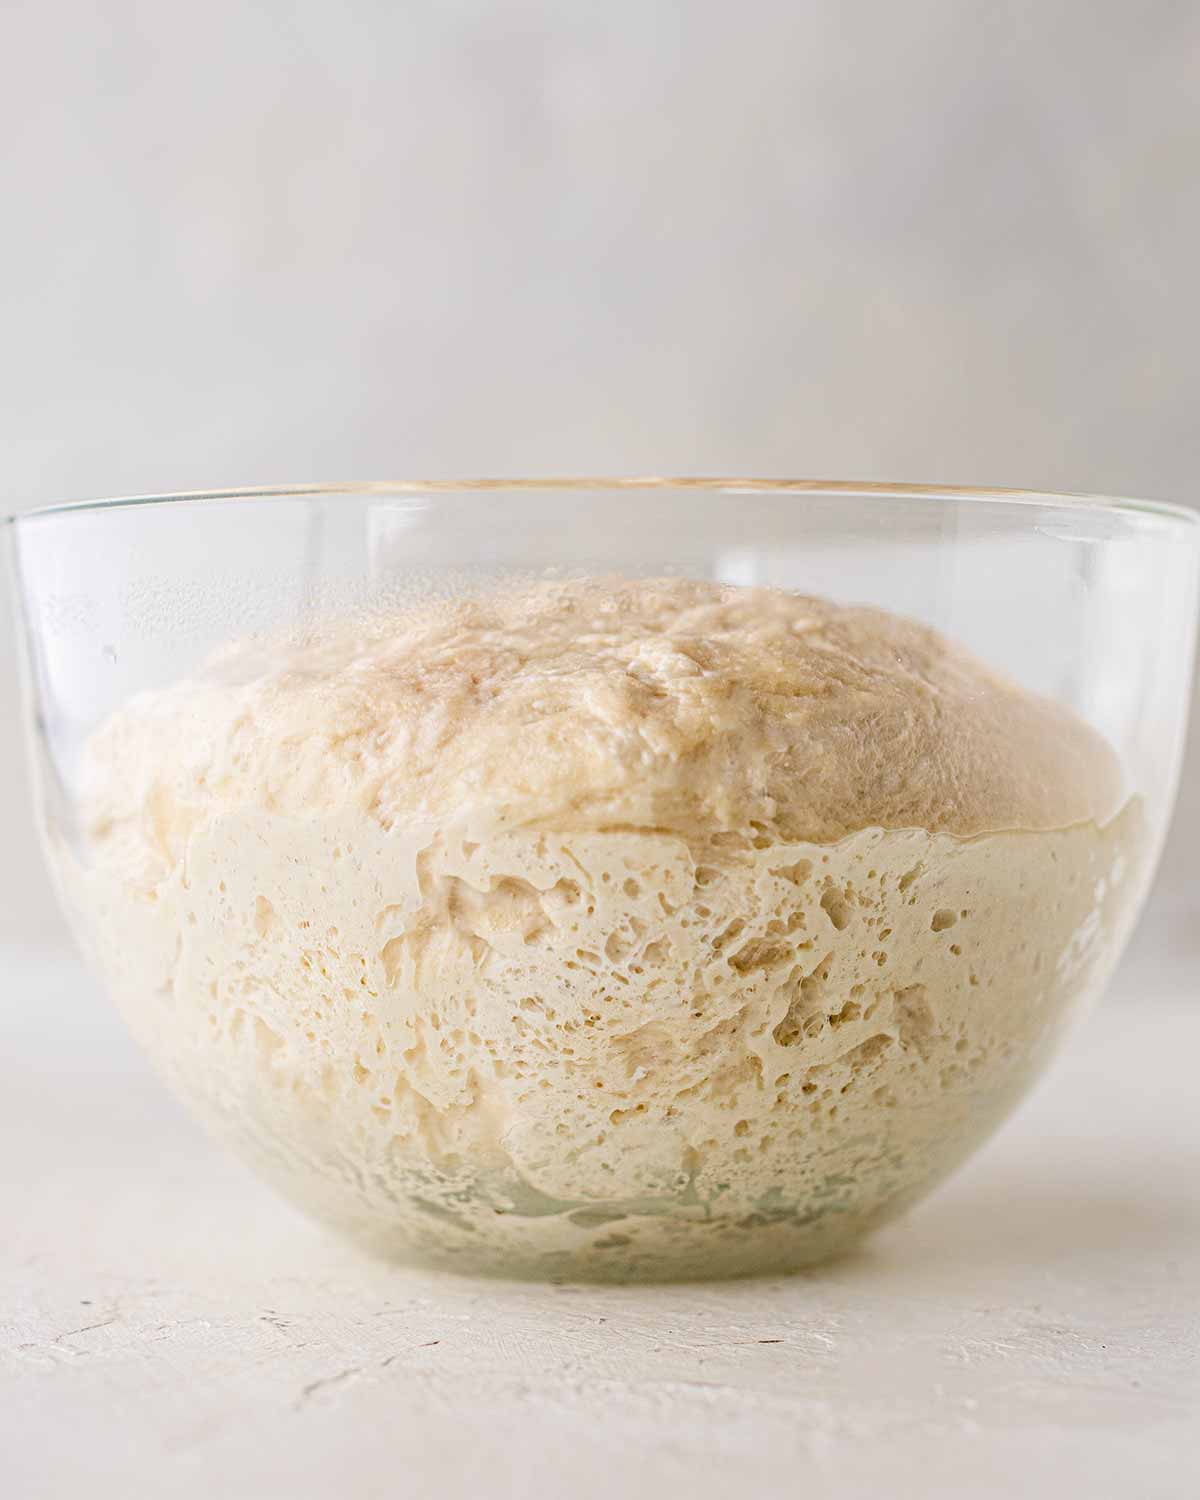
(631, 929)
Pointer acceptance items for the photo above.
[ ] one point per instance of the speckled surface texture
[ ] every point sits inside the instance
(167, 1327)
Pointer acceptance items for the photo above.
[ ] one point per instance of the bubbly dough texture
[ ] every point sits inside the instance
(605, 929)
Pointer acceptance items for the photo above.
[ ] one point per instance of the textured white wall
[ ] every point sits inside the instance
(943, 240)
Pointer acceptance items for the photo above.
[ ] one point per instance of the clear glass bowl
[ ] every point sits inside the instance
(648, 972)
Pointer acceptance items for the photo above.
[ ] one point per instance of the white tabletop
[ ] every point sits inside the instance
(168, 1328)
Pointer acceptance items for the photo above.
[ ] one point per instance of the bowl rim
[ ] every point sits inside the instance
(1162, 510)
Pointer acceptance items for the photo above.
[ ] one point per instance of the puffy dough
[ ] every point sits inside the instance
(606, 928)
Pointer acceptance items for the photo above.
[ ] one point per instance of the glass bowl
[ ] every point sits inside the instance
(537, 877)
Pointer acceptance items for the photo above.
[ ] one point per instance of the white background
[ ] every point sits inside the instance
(940, 240)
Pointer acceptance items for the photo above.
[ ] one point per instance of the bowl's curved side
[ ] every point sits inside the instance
(618, 1056)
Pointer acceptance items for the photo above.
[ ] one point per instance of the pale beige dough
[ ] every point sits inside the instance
(629, 928)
